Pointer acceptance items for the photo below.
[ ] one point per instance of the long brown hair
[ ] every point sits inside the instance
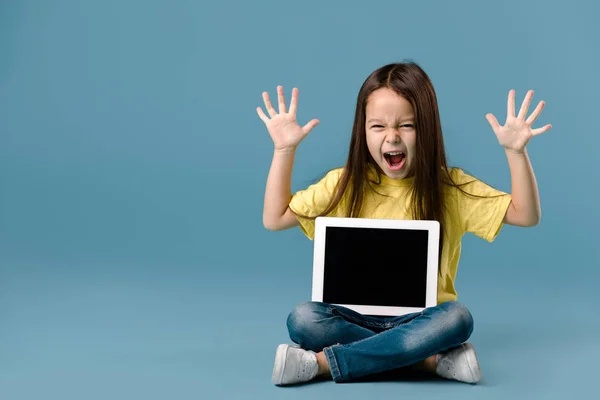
(430, 170)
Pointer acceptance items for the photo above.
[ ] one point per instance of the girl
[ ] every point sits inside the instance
(396, 168)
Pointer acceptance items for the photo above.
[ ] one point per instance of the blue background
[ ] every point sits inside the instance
(133, 260)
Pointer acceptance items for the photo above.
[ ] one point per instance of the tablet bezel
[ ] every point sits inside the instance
(433, 228)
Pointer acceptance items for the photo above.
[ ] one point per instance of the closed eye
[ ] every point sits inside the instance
(405, 125)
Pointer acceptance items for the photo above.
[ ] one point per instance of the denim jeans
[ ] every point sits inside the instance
(357, 345)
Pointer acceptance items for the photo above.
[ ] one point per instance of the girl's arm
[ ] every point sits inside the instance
(286, 135)
(276, 213)
(524, 209)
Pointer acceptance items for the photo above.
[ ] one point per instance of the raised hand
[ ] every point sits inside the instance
(517, 132)
(283, 127)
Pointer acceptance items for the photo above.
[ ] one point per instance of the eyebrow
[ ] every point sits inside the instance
(401, 119)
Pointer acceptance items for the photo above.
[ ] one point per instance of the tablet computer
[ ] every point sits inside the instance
(376, 267)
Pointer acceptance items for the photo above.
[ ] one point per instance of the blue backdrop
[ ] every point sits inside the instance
(133, 260)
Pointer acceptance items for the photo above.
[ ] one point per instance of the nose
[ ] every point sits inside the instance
(394, 138)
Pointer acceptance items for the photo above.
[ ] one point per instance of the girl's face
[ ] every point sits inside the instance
(391, 134)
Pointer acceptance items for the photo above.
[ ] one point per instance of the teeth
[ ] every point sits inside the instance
(395, 153)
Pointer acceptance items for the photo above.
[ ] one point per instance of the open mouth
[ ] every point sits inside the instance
(395, 160)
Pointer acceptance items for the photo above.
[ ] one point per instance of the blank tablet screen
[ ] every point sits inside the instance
(375, 266)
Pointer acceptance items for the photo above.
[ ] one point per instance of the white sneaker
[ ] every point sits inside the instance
(293, 365)
(459, 363)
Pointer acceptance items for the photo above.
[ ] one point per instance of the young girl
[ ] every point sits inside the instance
(396, 169)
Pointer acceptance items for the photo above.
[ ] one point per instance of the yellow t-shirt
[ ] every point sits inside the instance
(480, 216)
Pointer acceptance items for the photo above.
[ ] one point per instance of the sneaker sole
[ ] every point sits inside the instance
(279, 367)
(472, 362)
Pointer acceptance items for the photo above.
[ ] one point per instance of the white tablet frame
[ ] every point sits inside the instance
(433, 228)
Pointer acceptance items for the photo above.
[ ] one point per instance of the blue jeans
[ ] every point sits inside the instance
(357, 345)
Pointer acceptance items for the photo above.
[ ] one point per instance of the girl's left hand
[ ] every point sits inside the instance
(516, 132)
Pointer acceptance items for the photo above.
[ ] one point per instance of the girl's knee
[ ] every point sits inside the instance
(460, 318)
(301, 322)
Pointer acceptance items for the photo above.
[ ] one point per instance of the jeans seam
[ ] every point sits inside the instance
(333, 364)
(370, 324)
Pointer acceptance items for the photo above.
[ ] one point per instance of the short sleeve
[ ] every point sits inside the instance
(483, 213)
(314, 200)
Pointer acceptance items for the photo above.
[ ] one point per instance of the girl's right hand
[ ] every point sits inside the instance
(283, 127)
